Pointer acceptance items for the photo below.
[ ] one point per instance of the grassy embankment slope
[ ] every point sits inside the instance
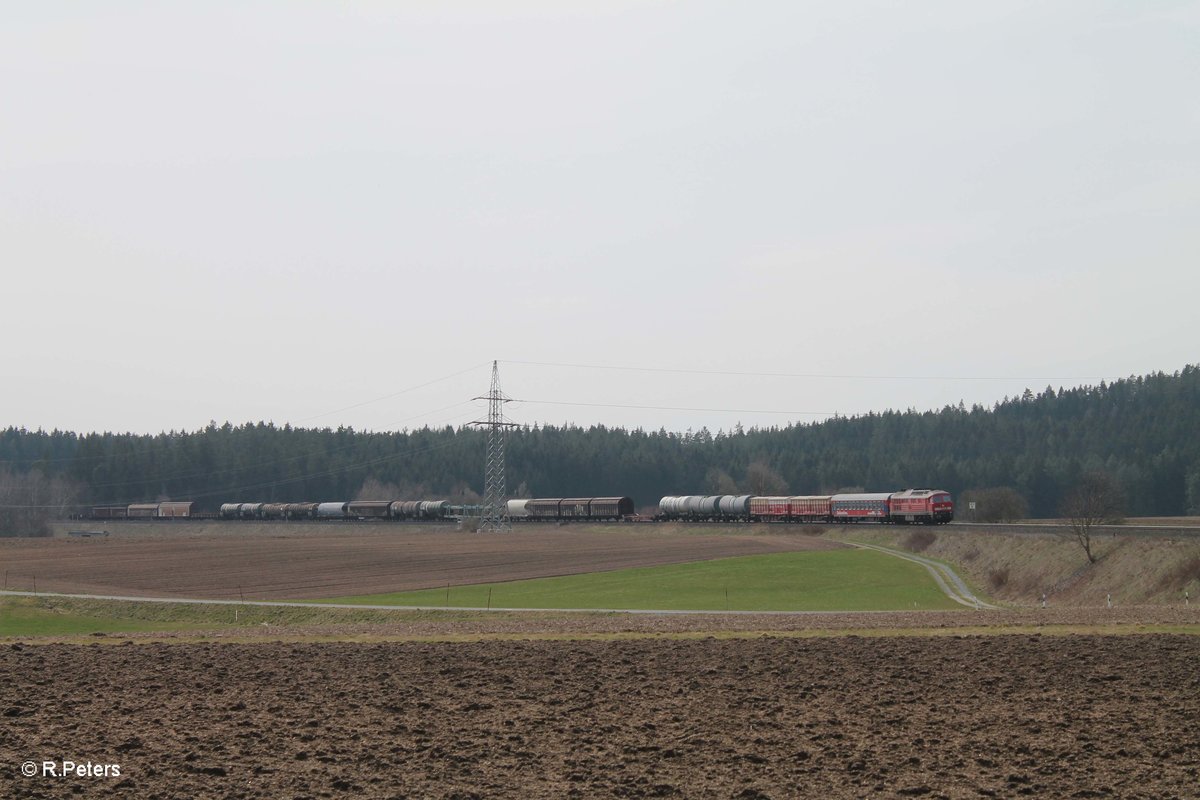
(1018, 568)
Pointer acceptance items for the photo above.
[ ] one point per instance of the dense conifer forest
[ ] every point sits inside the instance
(1142, 431)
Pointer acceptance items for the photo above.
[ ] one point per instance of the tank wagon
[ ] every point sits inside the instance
(353, 509)
(702, 507)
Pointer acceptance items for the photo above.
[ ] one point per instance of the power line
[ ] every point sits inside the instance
(680, 408)
(808, 375)
(393, 394)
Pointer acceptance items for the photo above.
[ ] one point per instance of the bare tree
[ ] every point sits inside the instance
(761, 479)
(1095, 500)
(29, 500)
(375, 489)
(719, 481)
(997, 504)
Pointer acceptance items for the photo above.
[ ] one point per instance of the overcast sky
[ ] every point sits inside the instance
(283, 211)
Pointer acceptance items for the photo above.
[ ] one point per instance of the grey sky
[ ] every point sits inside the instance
(280, 210)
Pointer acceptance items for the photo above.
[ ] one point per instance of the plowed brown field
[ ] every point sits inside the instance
(331, 561)
(1003, 716)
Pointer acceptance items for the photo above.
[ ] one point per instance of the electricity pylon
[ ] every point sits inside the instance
(494, 516)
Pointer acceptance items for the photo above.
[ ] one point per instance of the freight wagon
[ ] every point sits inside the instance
(545, 509)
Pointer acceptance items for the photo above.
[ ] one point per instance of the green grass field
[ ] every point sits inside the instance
(839, 580)
(836, 580)
(33, 616)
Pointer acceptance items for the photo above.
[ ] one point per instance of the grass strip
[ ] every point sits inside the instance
(833, 580)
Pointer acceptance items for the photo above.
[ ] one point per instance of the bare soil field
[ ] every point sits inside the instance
(435, 626)
(313, 561)
(1002, 716)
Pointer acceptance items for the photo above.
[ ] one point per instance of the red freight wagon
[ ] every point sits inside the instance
(768, 507)
(808, 507)
(922, 505)
(855, 507)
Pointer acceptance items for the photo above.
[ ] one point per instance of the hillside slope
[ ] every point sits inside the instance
(1018, 569)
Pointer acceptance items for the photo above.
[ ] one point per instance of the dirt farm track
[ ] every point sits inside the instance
(994, 716)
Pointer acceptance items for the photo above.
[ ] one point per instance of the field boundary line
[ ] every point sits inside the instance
(494, 609)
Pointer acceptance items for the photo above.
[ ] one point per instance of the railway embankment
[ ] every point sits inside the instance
(1018, 569)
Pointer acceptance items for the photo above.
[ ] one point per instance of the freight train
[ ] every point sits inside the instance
(910, 506)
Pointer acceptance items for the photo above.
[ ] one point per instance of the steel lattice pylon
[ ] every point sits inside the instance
(494, 516)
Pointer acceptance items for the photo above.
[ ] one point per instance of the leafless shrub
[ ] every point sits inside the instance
(919, 541)
(1185, 573)
(998, 578)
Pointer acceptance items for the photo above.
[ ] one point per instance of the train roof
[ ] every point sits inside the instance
(907, 493)
(860, 498)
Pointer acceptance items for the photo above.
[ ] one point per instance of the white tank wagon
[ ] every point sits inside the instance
(732, 506)
(515, 509)
(705, 507)
(331, 510)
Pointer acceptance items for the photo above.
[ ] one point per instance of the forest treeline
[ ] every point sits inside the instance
(1142, 431)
